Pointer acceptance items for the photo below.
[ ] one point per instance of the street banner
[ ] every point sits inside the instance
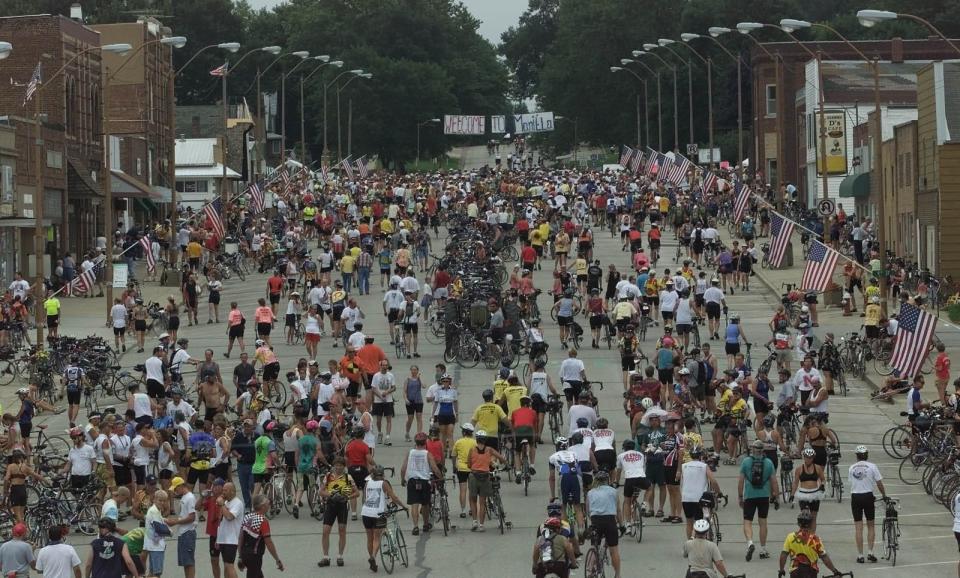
(498, 124)
(534, 122)
(836, 124)
(464, 124)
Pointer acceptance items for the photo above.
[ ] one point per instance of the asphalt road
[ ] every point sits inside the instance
(928, 544)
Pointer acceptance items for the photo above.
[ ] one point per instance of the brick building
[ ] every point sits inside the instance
(139, 117)
(71, 112)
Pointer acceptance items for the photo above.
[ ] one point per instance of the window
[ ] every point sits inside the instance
(139, 167)
(772, 176)
(192, 186)
(771, 97)
(275, 146)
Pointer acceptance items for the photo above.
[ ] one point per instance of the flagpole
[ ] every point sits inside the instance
(39, 236)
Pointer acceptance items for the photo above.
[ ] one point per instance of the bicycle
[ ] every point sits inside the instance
(555, 416)
(398, 342)
(393, 546)
(274, 492)
(891, 530)
(440, 505)
(786, 480)
(635, 527)
(495, 505)
(833, 474)
(708, 507)
(598, 556)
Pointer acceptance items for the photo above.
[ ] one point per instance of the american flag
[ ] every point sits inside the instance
(780, 229)
(256, 198)
(666, 165)
(148, 253)
(86, 281)
(285, 177)
(271, 176)
(625, 156)
(742, 192)
(913, 340)
(213, 211)
(821, 260)
(709, 182)
(35, 81)
(347, 168)
(325, 173)
(220, 70)
(651, 160)
(362, 167)
(678, 172)
(637, 161)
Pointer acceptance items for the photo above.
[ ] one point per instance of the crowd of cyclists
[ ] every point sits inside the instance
(251, 444)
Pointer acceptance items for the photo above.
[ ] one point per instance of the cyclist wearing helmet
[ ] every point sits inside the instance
(703, 554)
(631, 464)
(538, 346)
(415, 473)
(553, 551)
(808, 479)
(573, 374)
(732, 336)
(695, 480)
(863, 475)
(541, 388)
(359, 459)
(772, 441)
(75, 379)
(597, 307)
(523, 421)
(375, 495)
(266, 455)
(488, 417)
(605, 518)
(566, 309)
(481, 461)
(628, 345)
(805, 550)
(80, 461)
(565, 463)
(461, 452)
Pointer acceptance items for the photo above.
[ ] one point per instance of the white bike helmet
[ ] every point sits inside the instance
(861, 449)
(646, 402)
(805, 309)
(701, 526)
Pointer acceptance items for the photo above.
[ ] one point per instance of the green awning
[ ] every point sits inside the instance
(855, 186)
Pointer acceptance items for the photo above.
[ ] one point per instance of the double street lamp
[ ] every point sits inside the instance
(648, 49)
(355, 72)
(646, 110)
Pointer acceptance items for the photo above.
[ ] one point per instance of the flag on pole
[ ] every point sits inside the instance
(678, 172)
(148, 253)
(637, 161)
(35, 81)
(212, 212)
(220, 70)
(325, 173)
(742, 192)
(709, 182)
(347, 168)
(913, 340)
(780, 230)
(651, 161)
(256, 198)
(821, 260)
(362, 167)
(666, 165)
(86, 281)
(625, 156)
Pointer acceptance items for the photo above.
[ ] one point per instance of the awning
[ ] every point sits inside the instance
(855, 186)
(124, 186)
(79, 183)
(22, 223)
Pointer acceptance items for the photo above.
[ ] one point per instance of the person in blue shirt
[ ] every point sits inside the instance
(733, 334)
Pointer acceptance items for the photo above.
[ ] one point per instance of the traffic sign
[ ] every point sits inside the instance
(826, 207)
(692, 150)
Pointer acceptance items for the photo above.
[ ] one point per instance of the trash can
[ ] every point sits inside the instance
(230, 246)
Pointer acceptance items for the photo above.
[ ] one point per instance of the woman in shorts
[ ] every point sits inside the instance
(139, 315)
(375, 496)
(808, 479)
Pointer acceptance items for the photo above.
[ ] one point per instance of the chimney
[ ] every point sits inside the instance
(896, 50)
(76, 12)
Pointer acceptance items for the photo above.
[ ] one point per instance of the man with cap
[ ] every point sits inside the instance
(103, 561)
(16, 555)
(703, 554)
(186, 522)
(757, 484)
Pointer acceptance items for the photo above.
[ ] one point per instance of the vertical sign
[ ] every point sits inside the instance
(498, 124)
(463, 124)
(836, 129)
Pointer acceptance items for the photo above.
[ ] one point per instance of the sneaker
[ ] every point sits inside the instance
(373, 564)
(516, 478)
(379, 438)
(871, 558)
(324, 563)
(416, 530)
(339, 561)
(531, 471)
(427, 527)
(296, 514)
(353, 516)
(750, 550)
(860, 560)
(481, 529)
(406, 437)
(764, 554)
(388, 442)
(476, 525)
(124, 348)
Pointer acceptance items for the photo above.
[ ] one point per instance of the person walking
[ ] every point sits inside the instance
(228, 534)
(863, 475)
(415, 475)
(186, 523)
(16, 555)
(804, 549)
(703, 554)
(757, 484)
(255, 539)
(57, 559)
(104, 561)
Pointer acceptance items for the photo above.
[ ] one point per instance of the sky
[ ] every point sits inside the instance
(496, 15)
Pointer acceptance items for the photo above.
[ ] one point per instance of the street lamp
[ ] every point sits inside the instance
(656, 73)
(355, 72)
(626, 61)
(688, 37)
(870, 18)
(648, 49)
(38, 197)
(335, 64)
(421, 124)
(5, 49)
(324, 60)
(714, 33)
(365, 76)
(668, 44)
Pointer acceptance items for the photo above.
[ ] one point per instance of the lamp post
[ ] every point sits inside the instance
(625, 61)
(324, 60)
(708, 62)
(714, 33)
(38, 197)
(666, 43)
(421, 124)
(335, 64)
(870, 18)
(676, 112)
(365, 76)
(355, 72)
(304, 56)
(226, 73)
(645, 109)
(231, 47)
(174, 42)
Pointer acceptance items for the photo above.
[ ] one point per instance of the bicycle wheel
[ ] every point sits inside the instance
(271, 493)
(695, 337)
(910, 473)
(715, 527)
(445, 513)
(896, 442)
(8, 371)
(290, 493)
(637, 521)
(882, 366)
(315, 501)
(387, 552)
(837, 485)
(501, 515)
(527, 372)
(87, 520)
(401, 544)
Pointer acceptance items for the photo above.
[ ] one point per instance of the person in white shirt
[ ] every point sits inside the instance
(383, 385)
(80, 460)
(581, 409)
(715, 301)
(118, 316)
(541, 388)
(228, 532)
(56, 559)
(186, 522)
(683, 317)
(358, 338)
(573, 374)
(410, 316)
(632, 465)
(863, 475)
(325, 393)
(409, 284)
(695, 479)
(153, 543)
(805, 379)
(20, 287)
(392, 304)
(668, 302)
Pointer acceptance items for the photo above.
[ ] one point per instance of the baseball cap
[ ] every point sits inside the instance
(176, 482)
(151, 479)
(20, 530)
(219, 482)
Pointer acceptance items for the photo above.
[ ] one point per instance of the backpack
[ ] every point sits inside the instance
(698, 236)
(552, 546)
(202, 448)
(703, 373)
(73, 375)
(756, 472)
